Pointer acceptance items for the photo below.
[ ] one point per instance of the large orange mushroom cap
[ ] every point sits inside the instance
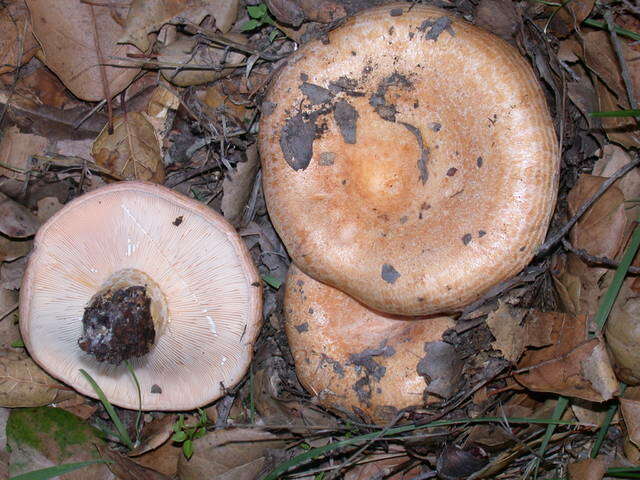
(364, 363)
(409, 159)
(204, 290)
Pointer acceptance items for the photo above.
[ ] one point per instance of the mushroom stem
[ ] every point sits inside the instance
(122, 320)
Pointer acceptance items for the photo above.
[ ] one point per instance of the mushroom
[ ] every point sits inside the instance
(409, 159)
(360, 362)
(134, 271)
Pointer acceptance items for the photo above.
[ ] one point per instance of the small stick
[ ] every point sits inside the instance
(626, 77)
(555, 239)
(604, 262)
(103, 70)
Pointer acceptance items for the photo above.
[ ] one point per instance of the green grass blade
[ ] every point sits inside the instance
(561, 406)
(616, 113)
(51, 472)
(139, 417)
(272, 281)
(315, 452)
(123, 435)
(619, 30)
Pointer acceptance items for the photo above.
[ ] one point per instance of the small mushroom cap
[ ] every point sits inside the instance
(212, 290)
(357, 361)
(409, 160)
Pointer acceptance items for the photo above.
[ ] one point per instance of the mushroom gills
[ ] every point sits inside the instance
(124, 318)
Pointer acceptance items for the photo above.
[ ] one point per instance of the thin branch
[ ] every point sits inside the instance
(603, 262)
(103, 70)
(626, 77)
(555, 239)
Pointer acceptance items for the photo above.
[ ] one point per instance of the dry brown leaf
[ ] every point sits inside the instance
(630, 408)
(16, 221)
(126, 469)
(237, 454)
(9, 330)
(11, 273)
(612, 158)
(216, 98)
(147, 16)
(511, 337)
(161, 111)
(67, 37)
(15, 36)
(569, 288)
(589, 469)
(622, 130)
(238, 185)
(179, 61)
(370, 468)
(323, 11)
(154, 434)
(499, 16)
(24, 384)
(132, 151)
(622, 334)
(79, 406)
(15, 151)
(567, 18)
(572, 366)
(13, 249)
(45, 88)
(47, 207)
(163, 459)
(590, 413)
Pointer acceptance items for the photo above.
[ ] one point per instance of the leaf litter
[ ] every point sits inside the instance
(521, 348)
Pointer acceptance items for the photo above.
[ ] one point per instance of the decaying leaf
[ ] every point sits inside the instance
(163, 459)
(68, 39)
(622, 334)
(147, 16)
(630, 408)
(11, 273)
(127, 469)
(13, 249)
(390, 467)
(512, 336)
(16, 221)
(572, 365)
(238, 185)
(161, 110)
(154, 434)
(15, 152)
(46, 436)
(501, 17)
(132, 151)
(568, 17)
(24, 384)
(589, 469)
(238, 454)
(185, 62)
(15, 36)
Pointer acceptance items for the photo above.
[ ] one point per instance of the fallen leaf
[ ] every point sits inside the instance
(11, 273)
(9, 330)
(163, 459)
(590, 413)
(47, 207)
(566, 19)
(16, 221)
(236, 454)
(161, 110)
(132, 151)
(501, 17)
(47, 436)
(238, 185)
(13, 249)
(612, 158)
(589, 469)
(44, 87)
(154, 434)
(179, 61)
(127, 469)
(572, 366)
(68, 40)
(15, 152)
(15, 36)
(79, 406)
(512, 336)
(630, 408)
(323, 11)
(148, 16)
(24, 384)
(622, 335)
(386, 467)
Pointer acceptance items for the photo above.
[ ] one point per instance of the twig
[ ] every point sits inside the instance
(79, 122)
(16, 76)
(555, 239)
(604, 262)
(626, 77)
(9, 311)
(103, 70)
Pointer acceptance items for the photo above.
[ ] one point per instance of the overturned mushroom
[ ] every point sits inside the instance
(409, 159)
(137, 272)
(363, 363)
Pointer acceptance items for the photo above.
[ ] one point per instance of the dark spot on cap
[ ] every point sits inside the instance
(451, 172)
(404, 219)
(435, 126)
(304, 77)
(466, 238)
(395, 12)
(177, 221)
(303, 327)
(411, 35)
(255, 284)
(416, 104)
(300, 283)
(389, 274)
(522, 249)
(346, 116)
(268, 108)
(315, 93)
(296, 141)
(354, 53)
(310, 311)
(481, 233)
(479, 162)
(155, 388)
(343, 182)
